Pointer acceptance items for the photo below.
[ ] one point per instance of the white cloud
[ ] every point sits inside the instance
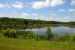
(62, 10)
(54, 17)
(68, 18)
(34, 14)
(41, 4)
(48, 17)
(56, 2)
(71, 10)
(72, 2)
(46, 3)
(18, 5)
(25, 14)
(4, 5)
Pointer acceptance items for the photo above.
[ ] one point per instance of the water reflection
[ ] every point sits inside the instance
(61, 30)
(55, 30)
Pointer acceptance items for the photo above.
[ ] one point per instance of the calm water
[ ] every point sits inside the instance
(55, 30)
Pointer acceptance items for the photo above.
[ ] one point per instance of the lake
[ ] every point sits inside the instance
(55, 30)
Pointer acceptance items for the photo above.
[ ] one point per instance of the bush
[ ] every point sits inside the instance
(12, 33)
(9, 32)
(29, 34)
(21, 34)
(24, 34)
(72, 38)
(36, 37)
(6, 32)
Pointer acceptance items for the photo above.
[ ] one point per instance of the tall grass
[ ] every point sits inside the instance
(21, 44)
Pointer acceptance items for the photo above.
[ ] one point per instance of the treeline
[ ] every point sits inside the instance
(48, 35)
(28, 23)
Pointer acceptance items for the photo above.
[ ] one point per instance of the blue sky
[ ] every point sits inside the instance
(51, 10)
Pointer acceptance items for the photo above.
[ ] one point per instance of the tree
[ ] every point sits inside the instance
(48, 35)
(6, 32)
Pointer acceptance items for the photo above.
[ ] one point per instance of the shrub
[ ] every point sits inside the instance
(24, 34)
(72, 38)
(12, 33)
(36, 37)
(29, 34)
(9, 32)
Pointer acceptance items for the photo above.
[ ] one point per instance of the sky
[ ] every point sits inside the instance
(50, 10)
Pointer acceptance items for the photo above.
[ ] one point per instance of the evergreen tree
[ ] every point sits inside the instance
(48, 34)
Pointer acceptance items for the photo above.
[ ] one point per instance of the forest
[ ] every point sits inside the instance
(29, 23)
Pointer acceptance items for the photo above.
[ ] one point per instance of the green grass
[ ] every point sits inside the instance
(21, 44)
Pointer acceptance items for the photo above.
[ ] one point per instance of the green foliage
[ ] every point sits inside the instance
(66, 37)
(26, 23)
(72, 37)
(24, 34)
(57, 38)
(29, 34)
(21, 34)
(48, 35)
(12, 33)
(9, 32)
(36, 37)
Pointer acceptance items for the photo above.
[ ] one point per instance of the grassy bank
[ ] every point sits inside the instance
(22, 44)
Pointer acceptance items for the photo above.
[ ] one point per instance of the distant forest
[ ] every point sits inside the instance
(29, 23)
